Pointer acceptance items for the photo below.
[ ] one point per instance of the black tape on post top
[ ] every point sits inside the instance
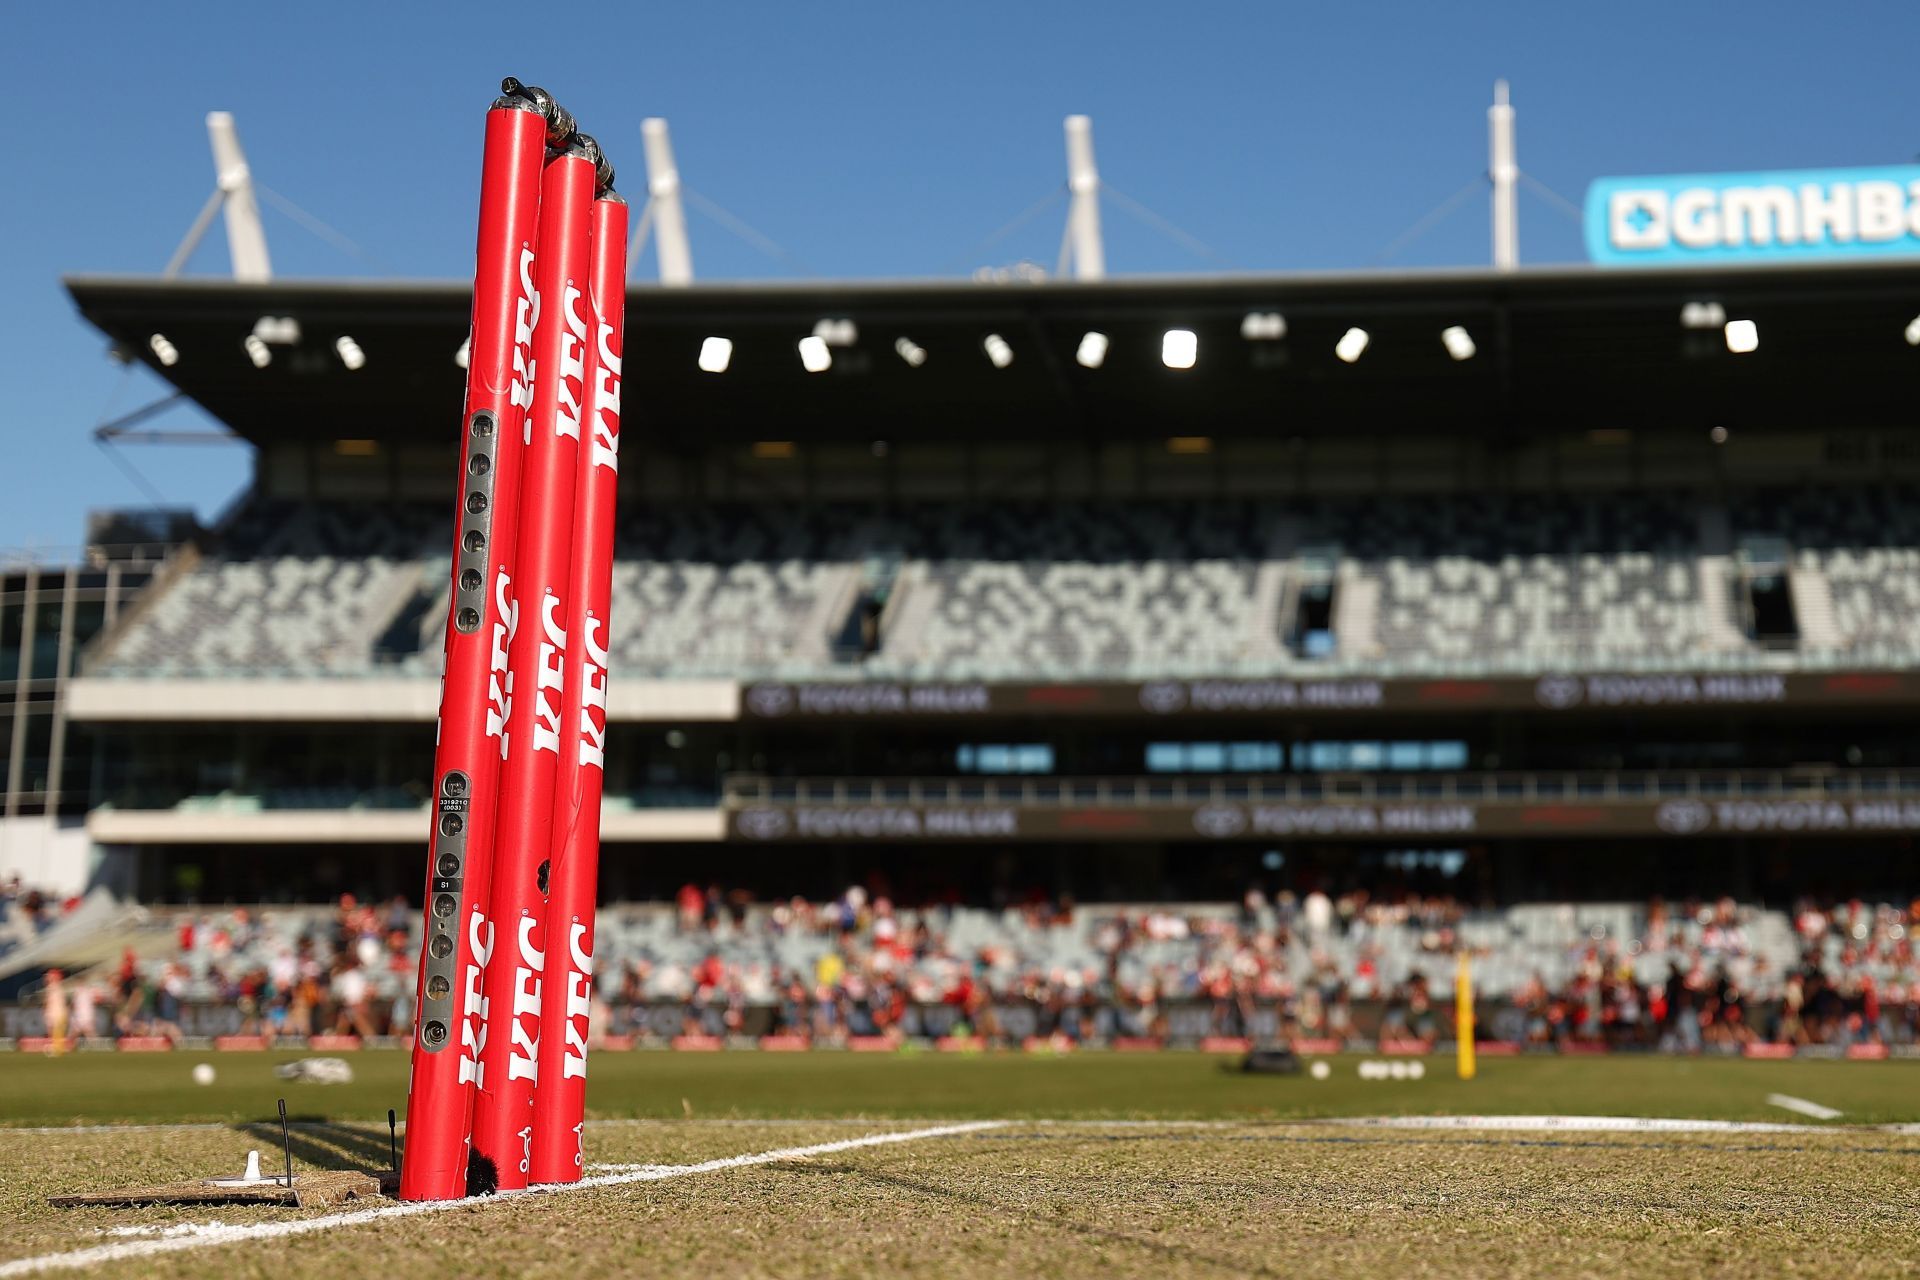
(560, 122)
(602, 167)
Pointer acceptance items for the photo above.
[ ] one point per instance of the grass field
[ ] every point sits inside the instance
(1111, 1164)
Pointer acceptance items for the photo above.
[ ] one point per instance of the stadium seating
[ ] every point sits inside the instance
(291, 588)
(1863, 544)
(1378, 950)
(1545, 971)
(1144, 589)
(1553, 582)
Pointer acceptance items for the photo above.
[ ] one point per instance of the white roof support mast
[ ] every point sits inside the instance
(1084, 248)
(669, 218)
(1503, 167)
(246, 239)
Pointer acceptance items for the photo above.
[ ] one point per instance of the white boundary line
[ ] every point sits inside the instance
(214, 1234)
(1576, 1124)
(1787, 1102)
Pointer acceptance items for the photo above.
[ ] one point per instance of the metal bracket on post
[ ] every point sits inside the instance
(475, 552)
(443, 913)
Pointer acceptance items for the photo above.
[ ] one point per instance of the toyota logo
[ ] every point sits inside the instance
(1683, 817)
(1559, 692)
(770, 700)
(761, 824)
(1219, 820)
(1163, 697)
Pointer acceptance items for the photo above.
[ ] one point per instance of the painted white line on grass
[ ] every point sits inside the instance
(213, 1234)
(1575, 1124)
(1787, 1102)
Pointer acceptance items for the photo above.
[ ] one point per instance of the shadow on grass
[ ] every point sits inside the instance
(323, 1144)
(1173, 1253)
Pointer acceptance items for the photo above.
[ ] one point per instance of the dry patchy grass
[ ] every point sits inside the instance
(1068, 1200)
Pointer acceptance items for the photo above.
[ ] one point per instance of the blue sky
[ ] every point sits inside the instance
(867, 140)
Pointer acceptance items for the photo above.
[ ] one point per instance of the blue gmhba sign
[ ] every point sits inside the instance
(1754, 217)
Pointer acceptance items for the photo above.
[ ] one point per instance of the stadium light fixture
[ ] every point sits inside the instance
(163, 351)
(257, 351)
(836, 333)
(1263, 326)
(997, 350)
(1913, 332)
(1458, 342)
(1179, 348)
(1092, 352)
(717, 353)
(1352, 344)
(280, 331)
(814, 354)
(350, 353)
(912, 352)
(1702, 315)
(465, 354)
(1743, 336)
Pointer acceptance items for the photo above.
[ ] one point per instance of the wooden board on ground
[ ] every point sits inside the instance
(317, 1190)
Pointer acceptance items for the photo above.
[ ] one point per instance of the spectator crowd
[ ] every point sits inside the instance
(1680, 977)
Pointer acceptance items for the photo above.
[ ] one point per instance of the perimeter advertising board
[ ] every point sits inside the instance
(1851, 816)
(1617, 692)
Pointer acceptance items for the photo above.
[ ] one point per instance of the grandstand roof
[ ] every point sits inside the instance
(1557, 348)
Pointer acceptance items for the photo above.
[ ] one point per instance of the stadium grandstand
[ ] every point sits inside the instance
(1487, 645)
(1115, 658)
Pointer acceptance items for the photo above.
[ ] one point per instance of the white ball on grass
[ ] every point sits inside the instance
(1416, 1070)
(1397, 1069)
(1319, 1071)
(203, 1073)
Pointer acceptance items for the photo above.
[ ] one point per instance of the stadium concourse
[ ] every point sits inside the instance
(1299, 663)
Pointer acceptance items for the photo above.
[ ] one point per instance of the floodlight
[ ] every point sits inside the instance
(1458, 342)
(1263, 326)
(257, 351)
(163, 351)
(350, 353)
(1179, 348)
(281, 331)
(717, 353)
(814, 354)
(1351, 345)
(836, 333)
(1742, 336)
(1093, 350)
(997, 350)
(1702, 315)
(912, 352)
